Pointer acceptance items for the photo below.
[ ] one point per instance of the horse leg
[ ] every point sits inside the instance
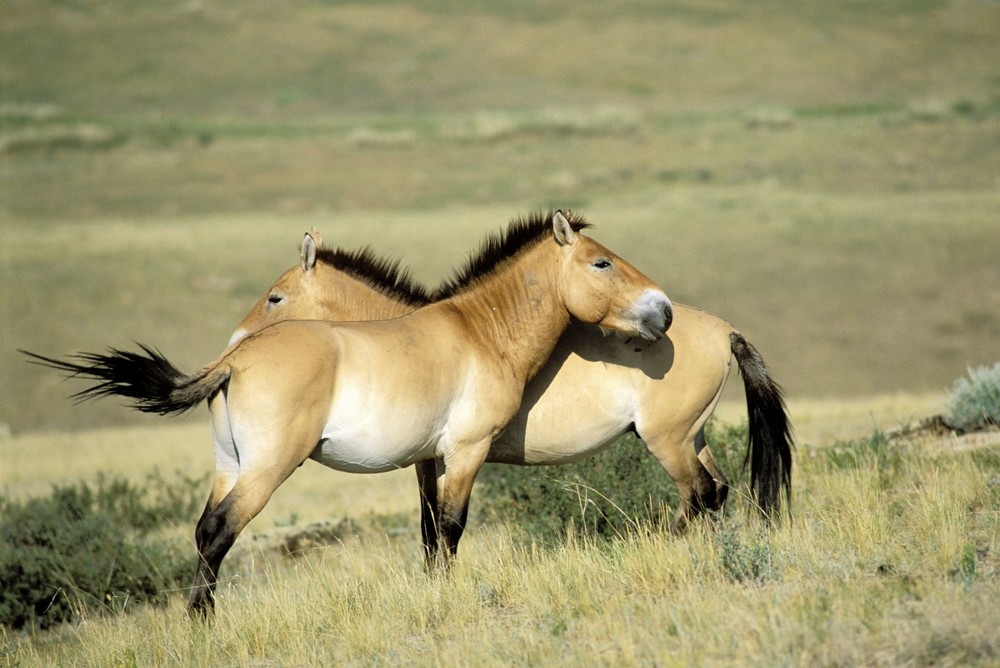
(461, 467)
(704, 454)
(245, 479)
(427, 481)
(219, 527)
(679, 458)
(227, 473)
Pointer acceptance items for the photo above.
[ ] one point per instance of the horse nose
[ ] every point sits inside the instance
(668, 313)
(659, 311)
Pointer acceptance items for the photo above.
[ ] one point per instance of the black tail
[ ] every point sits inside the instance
(769, 452)
(148, 378)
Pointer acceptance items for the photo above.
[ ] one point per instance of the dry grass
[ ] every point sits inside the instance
(892, 559)
(889, 562)
(822, 422)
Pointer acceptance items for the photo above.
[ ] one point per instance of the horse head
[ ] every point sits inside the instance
(601, 288)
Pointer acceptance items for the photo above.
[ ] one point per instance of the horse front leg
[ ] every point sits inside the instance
(461, 467)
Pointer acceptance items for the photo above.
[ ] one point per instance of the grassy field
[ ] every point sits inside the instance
(824, 175)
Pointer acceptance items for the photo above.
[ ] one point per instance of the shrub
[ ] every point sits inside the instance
(745, 554)
(609, 494)
(975, 401)
(85, 547)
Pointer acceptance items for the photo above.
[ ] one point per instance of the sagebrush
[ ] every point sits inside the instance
(612, 493)
(93, 547)
(975, 400)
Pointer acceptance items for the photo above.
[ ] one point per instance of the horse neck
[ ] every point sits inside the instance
(349, 298)
(518, 312)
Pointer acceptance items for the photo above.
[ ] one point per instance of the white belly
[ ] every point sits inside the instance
(354, 456)
(364, 434)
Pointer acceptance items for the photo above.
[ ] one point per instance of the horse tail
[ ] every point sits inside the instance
(769, 452)
(151, 381)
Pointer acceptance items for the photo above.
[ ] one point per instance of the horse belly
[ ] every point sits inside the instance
(368, 455)
(359, 441)
(388, 409)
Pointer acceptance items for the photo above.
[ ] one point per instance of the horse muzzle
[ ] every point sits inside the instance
(656, 314)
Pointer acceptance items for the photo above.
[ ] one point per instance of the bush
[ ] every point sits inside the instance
(745, 554)
(610, 494)
(975, 401)
(92, 548)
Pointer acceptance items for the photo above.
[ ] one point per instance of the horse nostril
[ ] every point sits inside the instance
(668, 316)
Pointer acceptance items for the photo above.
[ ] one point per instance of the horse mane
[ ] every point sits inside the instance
(500, 247)
(382, 273)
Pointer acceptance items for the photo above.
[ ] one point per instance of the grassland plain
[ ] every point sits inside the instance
(824, 175)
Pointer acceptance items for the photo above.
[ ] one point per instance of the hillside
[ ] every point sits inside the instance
(823, 175)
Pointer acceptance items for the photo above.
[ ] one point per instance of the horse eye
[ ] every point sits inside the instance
(602, 264)
(275, 298)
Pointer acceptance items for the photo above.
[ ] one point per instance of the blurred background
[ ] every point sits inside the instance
(825, 175)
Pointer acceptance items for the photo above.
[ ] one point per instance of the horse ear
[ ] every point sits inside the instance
(307, 256)
(314, 233)
(562, 229)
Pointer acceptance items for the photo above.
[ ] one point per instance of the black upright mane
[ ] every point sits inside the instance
(382, 273)
(499, 247)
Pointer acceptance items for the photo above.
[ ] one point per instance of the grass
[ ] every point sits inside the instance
(306, 58)
(891, 559)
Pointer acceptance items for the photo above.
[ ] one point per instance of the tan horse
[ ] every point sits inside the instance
(593, 389)
(438, 383)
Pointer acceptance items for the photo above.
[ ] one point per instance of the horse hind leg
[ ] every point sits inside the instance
(427, 482)
(245, 479)
(704, 454)
(695, 484)
(219, 527)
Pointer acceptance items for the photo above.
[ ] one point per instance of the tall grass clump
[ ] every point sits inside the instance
(975, 400)
(610, 494)
(93, 547)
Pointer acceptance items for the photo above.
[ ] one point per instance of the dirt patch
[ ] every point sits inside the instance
(936, 428)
